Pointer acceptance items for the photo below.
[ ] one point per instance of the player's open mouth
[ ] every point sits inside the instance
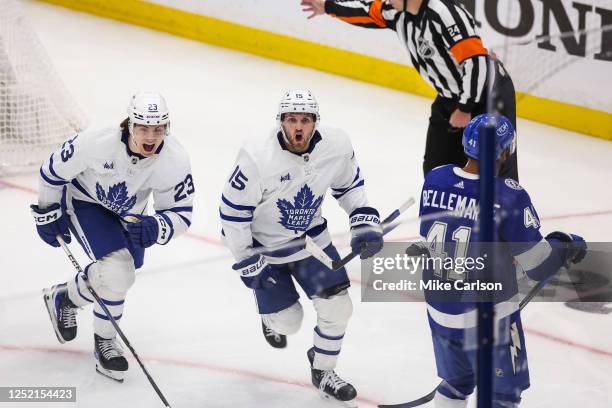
(299, 138)
(148, 147)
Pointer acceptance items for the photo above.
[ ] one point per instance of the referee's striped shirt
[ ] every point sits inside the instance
(441, 39)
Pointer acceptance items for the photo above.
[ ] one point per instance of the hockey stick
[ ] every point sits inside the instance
(426, 398)
(110, 317)
(387, 225)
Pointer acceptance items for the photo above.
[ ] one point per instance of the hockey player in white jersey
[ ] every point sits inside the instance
(271, 201)
(88, 188)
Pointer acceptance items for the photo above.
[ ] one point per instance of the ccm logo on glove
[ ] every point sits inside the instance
(46, 219)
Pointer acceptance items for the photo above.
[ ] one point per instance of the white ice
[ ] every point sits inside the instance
(189, 316)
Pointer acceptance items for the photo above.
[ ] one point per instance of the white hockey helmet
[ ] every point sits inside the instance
(298, 101)
(148, 108)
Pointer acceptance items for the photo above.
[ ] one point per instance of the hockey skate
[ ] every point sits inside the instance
(273, 338)
(332, 387)
(109, 358)
(62, 312)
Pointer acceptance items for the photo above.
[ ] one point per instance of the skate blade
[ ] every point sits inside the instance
(48, 299)
(349, 404)
(113, 375)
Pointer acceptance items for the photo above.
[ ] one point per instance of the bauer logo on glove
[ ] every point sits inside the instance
(366, 232)
(365, 219)
(253, 269)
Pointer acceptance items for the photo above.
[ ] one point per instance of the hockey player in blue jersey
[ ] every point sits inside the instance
(271, 201)
(449, 211)
(88, 188)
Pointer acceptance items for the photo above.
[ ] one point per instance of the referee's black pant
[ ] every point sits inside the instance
(443, 145)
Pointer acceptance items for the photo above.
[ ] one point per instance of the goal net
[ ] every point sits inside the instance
(36, 111)
(565, 57)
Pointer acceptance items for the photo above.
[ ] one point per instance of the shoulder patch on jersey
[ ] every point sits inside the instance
(298, 215)
(513, 184)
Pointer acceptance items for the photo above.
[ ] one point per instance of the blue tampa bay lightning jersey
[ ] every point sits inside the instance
(274, 196)
(98, 167)
(449, 211)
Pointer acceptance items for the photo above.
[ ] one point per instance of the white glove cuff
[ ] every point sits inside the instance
(253, 269)
(48, 217)
(164, 230)
(360, 220)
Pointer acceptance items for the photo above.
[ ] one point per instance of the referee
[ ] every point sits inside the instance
(445, 48)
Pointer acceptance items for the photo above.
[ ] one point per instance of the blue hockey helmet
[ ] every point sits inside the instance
(505, 136)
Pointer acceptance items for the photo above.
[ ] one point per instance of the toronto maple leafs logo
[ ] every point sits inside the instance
(117, 199)
(298, 216)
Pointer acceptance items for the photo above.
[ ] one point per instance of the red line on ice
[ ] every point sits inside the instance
(198, 237)
(18, 187)
(533, 332)
(181, 363)
(569, 343)
(216, 242)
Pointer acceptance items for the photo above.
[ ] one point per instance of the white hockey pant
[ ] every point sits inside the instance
(111, 277)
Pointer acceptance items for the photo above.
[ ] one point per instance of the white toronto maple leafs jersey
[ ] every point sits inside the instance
(98, 167)
(274, 196)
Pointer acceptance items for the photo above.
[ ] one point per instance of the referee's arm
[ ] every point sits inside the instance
(465, 46)
(471, 55)
(362, 13)
(458, 30)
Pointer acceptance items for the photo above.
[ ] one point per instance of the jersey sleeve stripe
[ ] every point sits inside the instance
(52, 171)
(180, 209)
(50, 181)
(376, 13)
(540, 261)
(337, 196)
(364, 13)
(357, 20)
(357, 175)
(237, 207)
(235, 219)
(185, 219)
(468, 48)
(534, 256)
(342, 190)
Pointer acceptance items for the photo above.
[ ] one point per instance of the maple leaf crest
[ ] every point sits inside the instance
(116, 199)
(298, 215)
